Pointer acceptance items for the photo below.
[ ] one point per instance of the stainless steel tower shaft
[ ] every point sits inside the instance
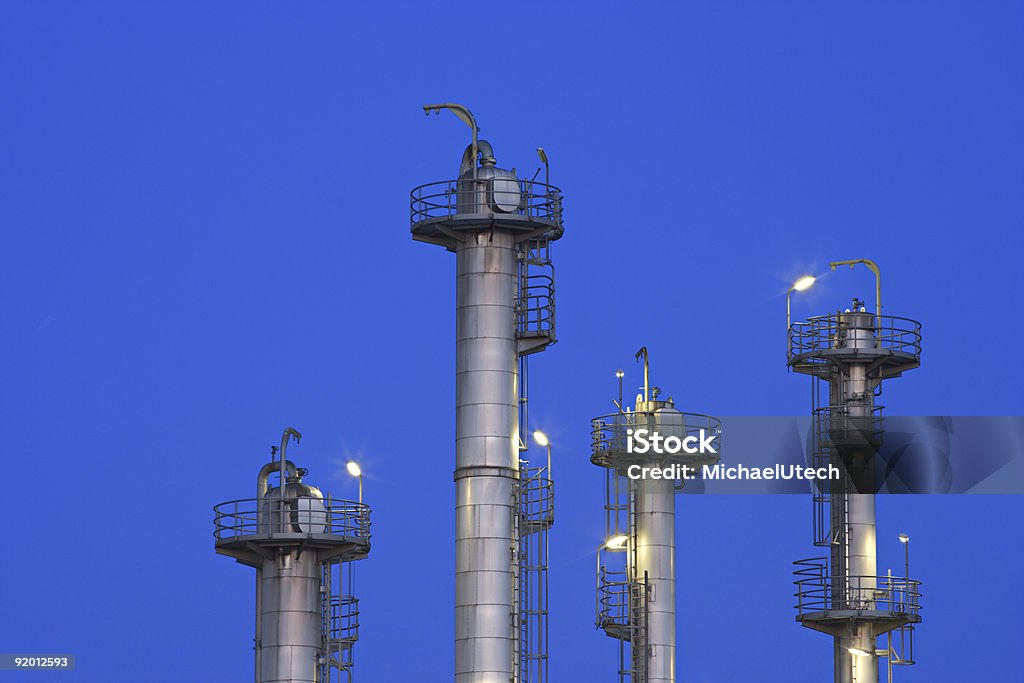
(290, 616)
(486, 456)
(655, 514)
(857, 548)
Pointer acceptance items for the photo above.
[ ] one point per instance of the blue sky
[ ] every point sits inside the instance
(205, 218)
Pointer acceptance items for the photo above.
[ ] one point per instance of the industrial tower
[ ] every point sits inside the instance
(500, 227)
(847, 355)
(302, 546)
(636, 579)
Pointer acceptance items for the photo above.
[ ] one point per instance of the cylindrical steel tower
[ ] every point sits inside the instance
(494, 222)
(301, 545)
(636, 569)
(848, 354)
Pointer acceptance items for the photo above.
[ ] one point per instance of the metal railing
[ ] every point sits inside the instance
(536, 500)
(296, 515)
(467, 197)
(610, 435)
(343, 621)
(836, 428)
(614, 592)
(822, 333)
(622, 613)
(535, 305)
(535, 515)
(818, 591)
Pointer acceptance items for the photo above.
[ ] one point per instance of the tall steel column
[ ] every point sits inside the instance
(636, 569)
(489, 218)
(295, 537)
(848, 354)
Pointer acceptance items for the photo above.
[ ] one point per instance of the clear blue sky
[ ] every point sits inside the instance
(205, 220)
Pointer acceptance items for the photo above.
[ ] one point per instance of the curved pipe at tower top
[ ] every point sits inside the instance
(268, 469)
(483, 150)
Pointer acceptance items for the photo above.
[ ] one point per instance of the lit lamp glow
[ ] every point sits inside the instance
(804, 282)
(616, 543)
(800, 285)
(542, 440)
(905, 540)
(357, 472)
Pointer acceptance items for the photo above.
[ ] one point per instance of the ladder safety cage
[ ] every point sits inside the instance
(535, 515)
(339, 622)
(622, 598)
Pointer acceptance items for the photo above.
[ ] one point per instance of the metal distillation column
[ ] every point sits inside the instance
(637, 603)
(852, 352)
(483, 217)
(292, 535)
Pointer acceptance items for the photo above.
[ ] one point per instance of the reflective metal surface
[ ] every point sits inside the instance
(486, 457)
(290, 618)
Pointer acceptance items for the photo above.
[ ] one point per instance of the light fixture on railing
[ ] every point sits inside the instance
(357, 472)
(544, 442)
(801, 285)
(616, 543)
(905, 540)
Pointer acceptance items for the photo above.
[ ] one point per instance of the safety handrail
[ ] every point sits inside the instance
(262, 516)
(613, 598)
(448, 198)
(826, 333)
(819, 591)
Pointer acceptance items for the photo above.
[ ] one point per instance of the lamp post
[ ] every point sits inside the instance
(357, 472)
(542, 440)
(905, 540)
(620, 374)
(800, 285)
